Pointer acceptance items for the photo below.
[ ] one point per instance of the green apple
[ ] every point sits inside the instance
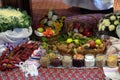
(69, 40)
(98, 41)
(76, 41)
(40, 30)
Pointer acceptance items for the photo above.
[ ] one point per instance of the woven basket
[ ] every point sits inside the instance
(94, 51)
(83, 51)
(52, 39)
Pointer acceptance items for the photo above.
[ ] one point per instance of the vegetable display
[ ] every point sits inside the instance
(11, 18)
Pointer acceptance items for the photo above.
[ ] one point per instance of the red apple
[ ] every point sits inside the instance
(92, 43)
(88, 34)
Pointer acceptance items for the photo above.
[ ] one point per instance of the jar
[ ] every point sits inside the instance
(44, 61)
(112, 60)
(89, 60)
(100, 60)
(67, 61)
(78, 60)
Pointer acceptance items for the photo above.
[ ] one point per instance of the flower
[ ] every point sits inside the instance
(109, 21)
(113, 17)
(116, 22)
(111, 27)
(52, 24)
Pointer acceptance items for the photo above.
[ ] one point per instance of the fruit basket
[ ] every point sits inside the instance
(82, 36)
(82, 46)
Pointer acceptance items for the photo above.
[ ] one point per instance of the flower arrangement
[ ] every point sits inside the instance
(50, 25)
(11, 18)
(109, 22)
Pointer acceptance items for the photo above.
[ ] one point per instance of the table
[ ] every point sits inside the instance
(56, 74)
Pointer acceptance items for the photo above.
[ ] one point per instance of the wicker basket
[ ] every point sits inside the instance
(94, 51)
(52, 39)
(63, 50)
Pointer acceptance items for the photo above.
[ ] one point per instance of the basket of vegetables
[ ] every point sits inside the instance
(50, 26)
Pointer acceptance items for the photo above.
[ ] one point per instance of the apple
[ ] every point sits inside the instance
(88, 34)
(76, 41)
(92, 43)
(69, 40)
(98, 41)
(40, 29)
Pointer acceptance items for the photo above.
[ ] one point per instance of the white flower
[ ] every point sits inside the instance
(118, 17)
(54, 17)
(116, 22)
(106, 22)
(111, 27)
(50, 13)
(103, 27)
(112, 17)
(50, 23)
(99, 27)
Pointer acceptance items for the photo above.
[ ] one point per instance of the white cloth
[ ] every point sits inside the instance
(14, 38)
(111, 73)
(91, 4)
(113, 45)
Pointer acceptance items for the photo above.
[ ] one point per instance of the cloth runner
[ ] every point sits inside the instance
(113, 45)
(56, 74)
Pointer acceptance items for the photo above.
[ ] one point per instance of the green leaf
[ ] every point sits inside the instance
(44, 39)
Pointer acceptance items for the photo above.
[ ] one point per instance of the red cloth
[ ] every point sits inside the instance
(56, 73)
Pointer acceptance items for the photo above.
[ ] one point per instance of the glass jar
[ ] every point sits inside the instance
(100, 60)
(89, 60)
(44, 61)
(112, 60)
(67, 61)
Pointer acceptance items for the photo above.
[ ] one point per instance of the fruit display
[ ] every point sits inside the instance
(82, 44)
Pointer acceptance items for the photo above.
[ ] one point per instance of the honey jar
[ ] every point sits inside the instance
(112, 60)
